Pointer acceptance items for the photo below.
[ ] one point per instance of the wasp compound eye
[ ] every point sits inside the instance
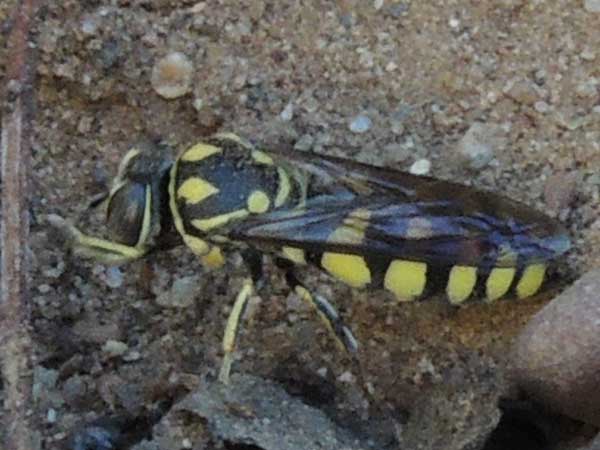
(128, 213)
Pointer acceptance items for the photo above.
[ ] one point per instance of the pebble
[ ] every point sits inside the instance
(560, 190)
(346, 377)
(113, 277)
(360, 124)
(420, 167)
(114, 348)
(592, 6)
(305, 142)
(556, 358)
(51, 415)
(172, 75)
(522, 91)
(287, 113)
(181, 293)
(476, 148)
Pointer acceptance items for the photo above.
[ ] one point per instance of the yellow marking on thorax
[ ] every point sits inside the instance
(284, 187)
(351, 269)
(531, 280)
(296, 255)
(213, 259)
(498, 282)
(219, 221)
(199, 152)
(406, 279)
(195, 189)
(258, 202)
(262, 158)
(461, 283)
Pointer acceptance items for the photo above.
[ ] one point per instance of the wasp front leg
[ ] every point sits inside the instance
(253, 260)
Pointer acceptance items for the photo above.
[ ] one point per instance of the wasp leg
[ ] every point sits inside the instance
(327, 312)
(101, 250)
(253, 260)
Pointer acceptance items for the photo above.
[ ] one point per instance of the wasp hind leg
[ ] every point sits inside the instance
(253, 260)
(101, 250)
(326, 311)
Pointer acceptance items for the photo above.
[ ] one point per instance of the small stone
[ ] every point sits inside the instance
(476, 148)
(287, 113)
(398, 10)
(198, 103)
(592, 6)
(44, 288)
(454, 23)
(588, 88)
(522, 91)
(541, 107)
(556, 359)
(51, 415)
(360, 124)
(588, 55)
(560, 190)
(347, 377)
(132, 356)
(420, 167)
(172, 75)
(396, 152)
(113, 277)
(89, 25)
(391, 66)
(377, 4)
(181, 293)
(115, 348)
(74, 390)
(305, 142)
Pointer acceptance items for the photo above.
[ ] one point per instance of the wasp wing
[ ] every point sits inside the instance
(372, 211)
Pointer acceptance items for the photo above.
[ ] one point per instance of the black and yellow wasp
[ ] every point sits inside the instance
(367, 226)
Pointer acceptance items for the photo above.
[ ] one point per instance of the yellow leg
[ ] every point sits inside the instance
(232, 327)
(101, 250)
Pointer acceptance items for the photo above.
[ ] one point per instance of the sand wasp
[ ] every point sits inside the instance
(370, 227)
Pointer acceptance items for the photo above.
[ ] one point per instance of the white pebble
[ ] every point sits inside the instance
(360, 124)
(172, 75)
(114, 348)
(346, 377)
(51, 415)
(592, 6)
(420, 167)
(114, 277)
(287, 113)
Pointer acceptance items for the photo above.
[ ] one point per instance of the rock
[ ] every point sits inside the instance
(420, 167)
(592, 6)
(556, 359)
(181, 293)
(560, 190)
(172, 75)
(477, 147)
(360, 124)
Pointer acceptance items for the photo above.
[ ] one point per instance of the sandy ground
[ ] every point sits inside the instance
(307, 72)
